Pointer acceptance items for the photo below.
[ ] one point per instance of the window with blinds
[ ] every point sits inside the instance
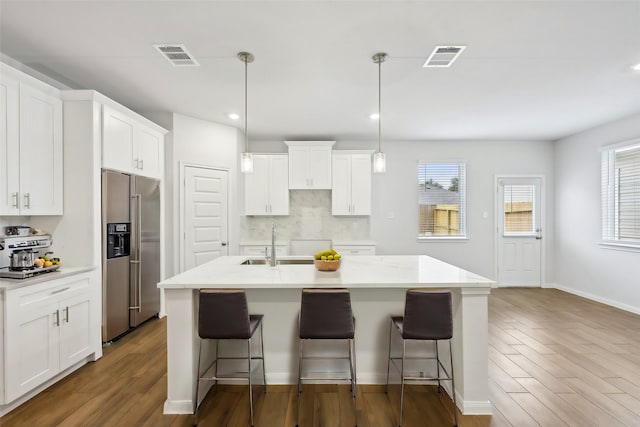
(621, 194)
(519, 210)
(441, 200)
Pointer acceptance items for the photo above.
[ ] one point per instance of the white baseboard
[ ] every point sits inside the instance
(597, 298)
(470, 407)
(178, 407)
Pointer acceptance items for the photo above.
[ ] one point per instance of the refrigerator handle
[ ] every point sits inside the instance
(136, 264)
(135, 261)
(138, 243)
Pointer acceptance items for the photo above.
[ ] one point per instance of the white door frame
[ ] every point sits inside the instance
(496, 266)
(181, 185)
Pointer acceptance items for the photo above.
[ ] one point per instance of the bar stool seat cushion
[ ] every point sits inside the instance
(427, 316)
(326, 316)
(224, 315)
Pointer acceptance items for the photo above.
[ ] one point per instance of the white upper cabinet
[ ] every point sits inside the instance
(309, 165)
(351, 187)
(118, 135)
(150, 146)
(267, 188)
(31, 148)
(129, 146)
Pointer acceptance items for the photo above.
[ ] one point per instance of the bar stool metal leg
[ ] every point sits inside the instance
(299, 382)
(453, 389)
(389, 355)
(264, 369)
(354, 380)
(438, 366)
(249, 377)
(404, 349)
(195, 404)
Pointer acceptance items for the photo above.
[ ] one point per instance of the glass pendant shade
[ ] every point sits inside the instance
(379, 163)
(246, 163)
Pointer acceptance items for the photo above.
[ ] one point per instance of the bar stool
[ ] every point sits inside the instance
(325, 314)
(223, 314)
(427, 317)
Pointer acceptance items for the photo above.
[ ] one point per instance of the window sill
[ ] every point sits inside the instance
(619, 246)
(442, 239)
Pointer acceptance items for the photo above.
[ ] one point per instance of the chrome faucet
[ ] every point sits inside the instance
(272, 262)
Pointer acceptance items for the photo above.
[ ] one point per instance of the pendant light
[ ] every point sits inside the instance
(379, 163)
(246, 159)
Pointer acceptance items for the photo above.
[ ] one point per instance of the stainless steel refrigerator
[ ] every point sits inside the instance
(130, 252)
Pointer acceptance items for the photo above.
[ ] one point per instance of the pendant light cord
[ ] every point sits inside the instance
(379, 104)
(246, 135)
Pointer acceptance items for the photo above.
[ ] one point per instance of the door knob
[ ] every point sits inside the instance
(224, 243)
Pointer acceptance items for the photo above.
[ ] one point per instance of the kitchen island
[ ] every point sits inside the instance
(377, 284)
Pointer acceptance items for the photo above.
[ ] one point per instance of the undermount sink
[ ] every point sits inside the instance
(279, 262)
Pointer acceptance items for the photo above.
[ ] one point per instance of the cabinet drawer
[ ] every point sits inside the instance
(355, 250)
(45, 293)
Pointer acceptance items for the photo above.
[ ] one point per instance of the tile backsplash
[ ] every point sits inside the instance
(309, 218)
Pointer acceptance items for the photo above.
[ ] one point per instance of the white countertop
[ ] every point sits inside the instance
(396, 271)
(9, 284)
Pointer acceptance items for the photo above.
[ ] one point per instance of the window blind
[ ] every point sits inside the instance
(441, 200)
(621, 194)
(519, 210)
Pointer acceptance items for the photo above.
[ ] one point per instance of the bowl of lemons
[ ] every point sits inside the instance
(328, 260)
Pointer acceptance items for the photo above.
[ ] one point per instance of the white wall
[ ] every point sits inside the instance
(198, 142)
(394, 220)
(583, 266)
(394, 223)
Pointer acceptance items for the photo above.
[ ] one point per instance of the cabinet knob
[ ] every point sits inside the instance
(15, 200)
(27, 200)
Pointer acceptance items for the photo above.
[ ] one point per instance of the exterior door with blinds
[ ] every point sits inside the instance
(519, 231)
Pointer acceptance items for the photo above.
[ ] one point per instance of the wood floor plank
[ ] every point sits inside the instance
(504, 380)
(594, 415)
(274, 409)
(326, 410)
(551, 400)
(544, 377)
(538, 411)
(605, 402)
(374, 404)
(516, 415)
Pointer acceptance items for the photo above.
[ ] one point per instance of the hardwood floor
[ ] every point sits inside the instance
(555, 359)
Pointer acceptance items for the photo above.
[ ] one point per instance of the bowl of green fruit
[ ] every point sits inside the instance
(328, 260)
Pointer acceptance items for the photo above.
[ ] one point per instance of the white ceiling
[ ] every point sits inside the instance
(532, 69)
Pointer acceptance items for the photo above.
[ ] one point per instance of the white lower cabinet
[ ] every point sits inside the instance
(358, 249)
(47, 330)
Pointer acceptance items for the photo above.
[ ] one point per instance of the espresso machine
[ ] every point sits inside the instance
(18, 253)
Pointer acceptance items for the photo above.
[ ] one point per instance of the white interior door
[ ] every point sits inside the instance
(205, 215)
(519, 207)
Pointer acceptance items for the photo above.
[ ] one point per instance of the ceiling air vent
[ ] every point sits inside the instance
(443, 56)
(177, 54)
